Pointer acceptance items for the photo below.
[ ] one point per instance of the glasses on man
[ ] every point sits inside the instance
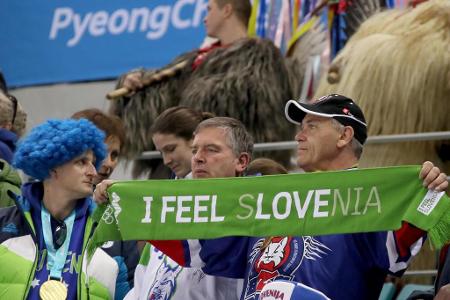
(14, 103)
(60, 234)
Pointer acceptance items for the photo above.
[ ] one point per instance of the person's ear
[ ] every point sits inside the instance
(228, 10)
(346, 137)
(242, 162)
(53, 173)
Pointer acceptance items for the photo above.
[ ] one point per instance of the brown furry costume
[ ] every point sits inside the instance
(247, 80)
(397, 68)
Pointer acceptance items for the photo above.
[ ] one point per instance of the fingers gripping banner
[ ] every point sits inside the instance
(293, 205)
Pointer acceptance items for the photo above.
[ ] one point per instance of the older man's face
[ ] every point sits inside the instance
(213, 157)
(317, 143)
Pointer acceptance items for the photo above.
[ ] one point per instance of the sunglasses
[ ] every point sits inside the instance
(14, 102)
(60, 234)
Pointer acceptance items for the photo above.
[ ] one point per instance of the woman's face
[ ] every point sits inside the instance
(111, 160)
(176, 152)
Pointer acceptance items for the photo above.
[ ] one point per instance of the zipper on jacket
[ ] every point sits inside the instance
(88, 240)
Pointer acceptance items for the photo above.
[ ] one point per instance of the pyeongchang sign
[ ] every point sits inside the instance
(64, 41)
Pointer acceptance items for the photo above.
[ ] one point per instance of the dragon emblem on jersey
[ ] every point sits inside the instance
(165, 282)
(280, 259)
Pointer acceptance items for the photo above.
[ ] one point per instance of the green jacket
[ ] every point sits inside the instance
(19, 253)
(9, 181)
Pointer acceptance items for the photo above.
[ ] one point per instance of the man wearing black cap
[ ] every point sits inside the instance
(332, 132)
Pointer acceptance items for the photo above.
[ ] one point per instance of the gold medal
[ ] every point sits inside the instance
(53, 290)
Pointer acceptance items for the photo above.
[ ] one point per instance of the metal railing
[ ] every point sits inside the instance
(420, 273)
(380, 139)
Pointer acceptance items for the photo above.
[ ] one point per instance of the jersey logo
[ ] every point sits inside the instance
(10, 228)
(275, 253)
(165, 282)
(280, 260)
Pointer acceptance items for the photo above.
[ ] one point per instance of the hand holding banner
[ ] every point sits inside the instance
(293, 205)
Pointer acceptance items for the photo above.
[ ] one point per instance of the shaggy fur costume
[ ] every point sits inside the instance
(56, 142)
(397, 68)
(248, 81)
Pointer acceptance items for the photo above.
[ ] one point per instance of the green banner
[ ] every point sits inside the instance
(295, 204)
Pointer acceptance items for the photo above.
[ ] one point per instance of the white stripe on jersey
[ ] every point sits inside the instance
(194, 249)
(394, 265)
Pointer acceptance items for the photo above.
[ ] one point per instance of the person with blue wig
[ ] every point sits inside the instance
(44, 237)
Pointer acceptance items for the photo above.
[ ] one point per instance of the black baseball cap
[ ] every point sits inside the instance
(335, 106)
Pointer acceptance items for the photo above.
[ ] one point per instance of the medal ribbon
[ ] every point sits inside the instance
(56, 257)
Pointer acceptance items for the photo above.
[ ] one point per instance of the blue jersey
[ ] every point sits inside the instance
(344, 266)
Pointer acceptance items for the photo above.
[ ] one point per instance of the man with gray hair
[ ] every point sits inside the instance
(221, 147)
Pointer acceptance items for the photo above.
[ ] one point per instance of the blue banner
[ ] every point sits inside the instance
(55, 41)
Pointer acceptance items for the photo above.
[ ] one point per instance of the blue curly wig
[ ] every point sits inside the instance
(56, 142)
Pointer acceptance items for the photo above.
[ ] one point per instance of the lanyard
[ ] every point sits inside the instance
(56, 258)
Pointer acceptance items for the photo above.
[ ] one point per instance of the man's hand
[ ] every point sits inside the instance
(100, 194)
(433, 178)
(133, 82)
